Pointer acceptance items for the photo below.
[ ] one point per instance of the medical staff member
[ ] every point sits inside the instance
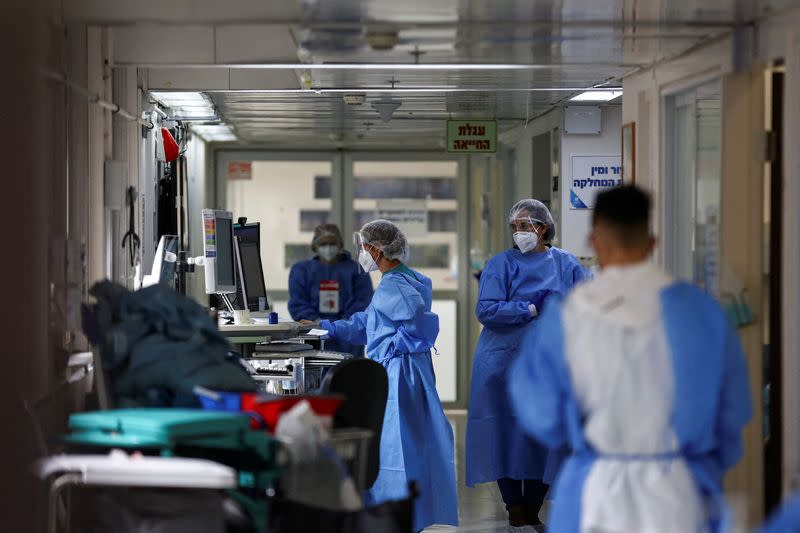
(644, 379)
(330, 286)
(514, 288)
(399, 330)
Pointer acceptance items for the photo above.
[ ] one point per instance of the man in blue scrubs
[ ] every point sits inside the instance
(330, 286)
(644, 379)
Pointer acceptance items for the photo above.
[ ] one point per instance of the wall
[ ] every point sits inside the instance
(53, 229)
(739, 61)
(572, 226)
(575, 224)
(642, 103)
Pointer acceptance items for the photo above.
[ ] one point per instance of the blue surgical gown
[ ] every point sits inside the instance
(787, 519)
(711, 399)
(496, 446)
(355, 293)
(399, 330)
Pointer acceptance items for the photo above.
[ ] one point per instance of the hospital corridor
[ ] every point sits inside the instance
(380, 266)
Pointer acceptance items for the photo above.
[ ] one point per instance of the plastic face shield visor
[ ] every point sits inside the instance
(526, 224)
(359, 244)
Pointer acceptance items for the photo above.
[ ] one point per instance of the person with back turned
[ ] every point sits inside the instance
(644, 379)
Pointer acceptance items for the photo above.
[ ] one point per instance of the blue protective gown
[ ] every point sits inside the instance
(355, 293)
(496, 445)
(787, 519)
(399, 330)
(711, 401)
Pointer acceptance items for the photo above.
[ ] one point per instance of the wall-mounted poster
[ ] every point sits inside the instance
(629, 152)
(591, 175)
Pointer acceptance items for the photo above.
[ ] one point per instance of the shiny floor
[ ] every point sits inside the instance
(480, 509)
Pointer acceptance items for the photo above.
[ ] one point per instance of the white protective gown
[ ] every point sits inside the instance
(644, 379)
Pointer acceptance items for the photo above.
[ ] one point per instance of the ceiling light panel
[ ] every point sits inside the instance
(596, 96)
(214, 132)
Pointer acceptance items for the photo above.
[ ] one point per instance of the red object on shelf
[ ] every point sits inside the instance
(171, 150)
(271, 410)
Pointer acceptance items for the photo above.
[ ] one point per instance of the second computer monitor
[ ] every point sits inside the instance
(253, 290)
(248, 233)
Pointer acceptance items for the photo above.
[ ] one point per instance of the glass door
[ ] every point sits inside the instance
(421, 195)
(693, 174)
(289, 196)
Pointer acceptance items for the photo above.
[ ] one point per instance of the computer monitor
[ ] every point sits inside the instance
(248, 233)
(218, 250)
(252, 289)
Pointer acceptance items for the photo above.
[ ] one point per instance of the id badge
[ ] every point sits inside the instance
(329, 297)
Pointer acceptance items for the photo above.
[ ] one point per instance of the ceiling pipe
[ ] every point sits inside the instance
(94, 98)
(384, 66)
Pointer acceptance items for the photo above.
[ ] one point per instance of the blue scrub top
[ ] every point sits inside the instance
(355, 293)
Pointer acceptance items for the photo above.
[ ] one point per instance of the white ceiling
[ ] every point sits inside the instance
(551, 46)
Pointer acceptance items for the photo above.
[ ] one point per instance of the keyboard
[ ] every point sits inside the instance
(330, 355)
(283, 347)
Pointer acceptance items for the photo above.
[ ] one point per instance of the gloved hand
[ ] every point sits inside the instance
(327, 326)
(533, 311)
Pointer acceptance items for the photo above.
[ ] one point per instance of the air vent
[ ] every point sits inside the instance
(470, 102)
(354, 99)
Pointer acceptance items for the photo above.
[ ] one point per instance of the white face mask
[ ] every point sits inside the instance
(366, 261)
(526, 241)
(328, 252)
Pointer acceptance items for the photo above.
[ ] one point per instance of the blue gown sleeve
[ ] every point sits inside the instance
(362, 293)
(300, 307)
(735, 407)
(352, 330)
(578, 273)
(787, 519)
(494, 309)
(541, 369)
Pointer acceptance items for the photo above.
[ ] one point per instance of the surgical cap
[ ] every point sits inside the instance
(387, 237)
(326, 230)
(537, 211)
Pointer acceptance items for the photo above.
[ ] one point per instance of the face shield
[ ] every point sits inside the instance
(526, 224)
(364, 257)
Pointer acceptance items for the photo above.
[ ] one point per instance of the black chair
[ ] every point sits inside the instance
(365, 386)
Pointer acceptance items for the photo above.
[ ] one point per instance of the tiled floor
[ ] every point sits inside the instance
(480, 509)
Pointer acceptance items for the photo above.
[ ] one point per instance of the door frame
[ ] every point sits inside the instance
(461, 294)
(342, 194)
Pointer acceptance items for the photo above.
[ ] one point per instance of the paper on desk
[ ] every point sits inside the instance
(318, 332)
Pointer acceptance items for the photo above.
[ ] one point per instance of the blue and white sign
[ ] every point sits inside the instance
(591, 175)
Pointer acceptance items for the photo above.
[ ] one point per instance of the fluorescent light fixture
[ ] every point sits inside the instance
(596, 96)
(214, 132)
(187, 105)
(189, 113)
(418, 89)
(178, 98)
(388, 66)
